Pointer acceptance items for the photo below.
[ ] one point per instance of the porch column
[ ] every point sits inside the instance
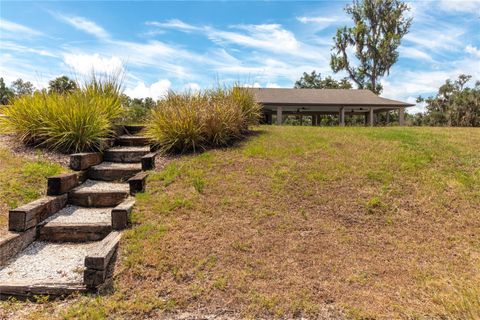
(401, 116)
(342, 117)
(370, 117)
(388, 117)
(279, 116)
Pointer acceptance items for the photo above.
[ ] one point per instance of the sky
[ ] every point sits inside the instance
(159, 46)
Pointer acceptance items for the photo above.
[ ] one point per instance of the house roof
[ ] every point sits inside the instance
(322, 97)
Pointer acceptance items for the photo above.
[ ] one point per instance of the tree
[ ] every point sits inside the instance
(314, 81)
(62, 85)
(375, 37)
(21, 87)
(6, 94)
(137, 108)
(454, 105)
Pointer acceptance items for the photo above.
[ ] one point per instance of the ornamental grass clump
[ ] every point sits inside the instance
(193, 121)
(70, 122)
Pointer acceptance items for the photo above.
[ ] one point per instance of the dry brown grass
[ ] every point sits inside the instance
(364, 223)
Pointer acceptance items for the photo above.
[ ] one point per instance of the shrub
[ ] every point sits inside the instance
(191, 121)
(69, 122)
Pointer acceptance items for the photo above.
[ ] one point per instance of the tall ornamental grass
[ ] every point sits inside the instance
(193, 121)
(70, 122)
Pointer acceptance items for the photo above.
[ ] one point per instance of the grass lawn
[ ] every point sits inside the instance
(21, 181)
(372, 222)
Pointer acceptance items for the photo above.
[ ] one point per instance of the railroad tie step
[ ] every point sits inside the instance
(113, 171)
(126, 154)
(99, 194)
(77, 224)
(129, 140)
(133, 129)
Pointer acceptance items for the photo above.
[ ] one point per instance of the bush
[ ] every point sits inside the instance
(192, 121)
(71, 122)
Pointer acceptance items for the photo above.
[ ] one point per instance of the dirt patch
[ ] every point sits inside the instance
(18, 149)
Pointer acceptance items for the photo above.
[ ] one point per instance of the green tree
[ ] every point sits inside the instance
(6, 94)
(314, 81)
(137, 108)
(62, 85)
(379, 26)
(454, 104)
(21, 88)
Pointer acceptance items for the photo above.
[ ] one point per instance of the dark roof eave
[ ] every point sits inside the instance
(400, 104)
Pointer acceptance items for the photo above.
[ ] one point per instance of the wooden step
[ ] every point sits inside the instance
(133, 129)
(126, 154)
(113, 171)
(98, 194)
(77, 224)
(131, 141)
(22, 290)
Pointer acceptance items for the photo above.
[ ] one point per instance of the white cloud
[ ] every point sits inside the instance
(13, 29)
(156, 90)
(85, 64)
(320, 23)
(271, 37)
(85, 25)
(414, 53)
(474, 51)
(434, 38)
(465, 6)
(6, 45)
(419, 106)
(173, 24)
(192, 86)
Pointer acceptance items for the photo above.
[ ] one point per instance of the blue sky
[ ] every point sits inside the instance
(190, 45)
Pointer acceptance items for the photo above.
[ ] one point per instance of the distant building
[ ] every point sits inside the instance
(318, 102)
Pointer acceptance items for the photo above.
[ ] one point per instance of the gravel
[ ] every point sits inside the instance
(78, 215)
(118, 165)
(94, 185)
(130, 149)
(44, 262)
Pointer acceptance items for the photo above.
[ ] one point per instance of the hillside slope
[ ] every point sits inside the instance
(355, 222)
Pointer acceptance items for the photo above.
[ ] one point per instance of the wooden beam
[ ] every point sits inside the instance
(31, 214)
(12, 243)
(83, 161)
(61, 183)
(279, 116)
(401, 116)
(342, 117)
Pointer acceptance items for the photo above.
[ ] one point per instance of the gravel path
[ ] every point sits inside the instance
(118, 165)
(44, 262)
(74, 214)
(93, 185)
(130, 149)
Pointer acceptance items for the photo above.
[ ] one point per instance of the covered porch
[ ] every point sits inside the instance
(313, 104)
